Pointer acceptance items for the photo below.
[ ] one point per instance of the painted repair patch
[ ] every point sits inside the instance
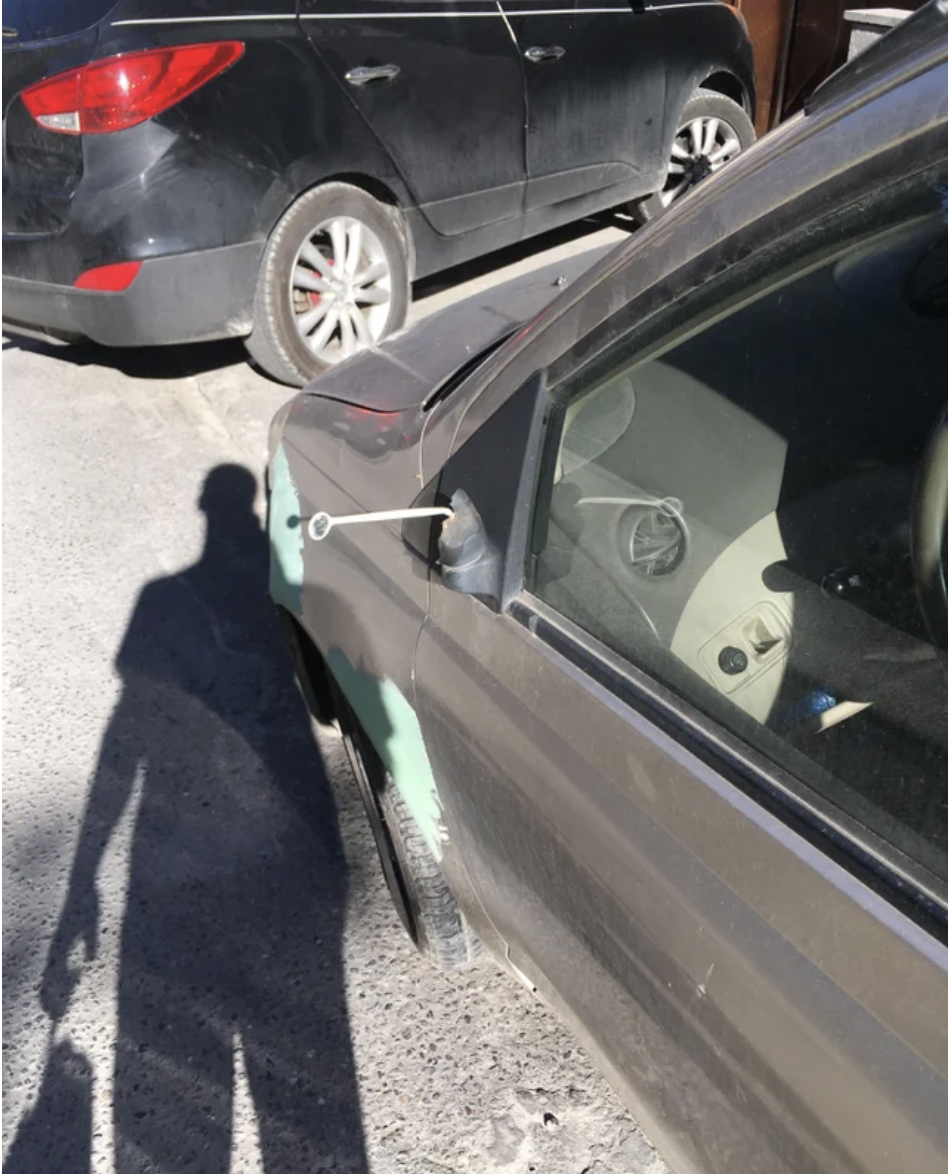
(286, 537)
(392, 726)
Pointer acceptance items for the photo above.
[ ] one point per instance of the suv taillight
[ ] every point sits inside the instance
(118, 92)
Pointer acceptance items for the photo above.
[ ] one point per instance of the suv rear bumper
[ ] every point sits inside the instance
(190, 297)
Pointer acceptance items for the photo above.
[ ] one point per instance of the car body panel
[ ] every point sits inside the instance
(31, 20)
(365, 620)
(41, 172)
(150, 312)
(752, 998)
(463, 169)
(615, 94)
(215, 153)
(120, 195)
(583, 98)
(379, 700)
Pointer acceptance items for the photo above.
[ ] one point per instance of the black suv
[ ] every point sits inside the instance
(282, 169)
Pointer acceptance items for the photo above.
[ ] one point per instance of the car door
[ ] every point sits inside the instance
(688, 720)
(606, 82)
(595, 91)
(441, 86)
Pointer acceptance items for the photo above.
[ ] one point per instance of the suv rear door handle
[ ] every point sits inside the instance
(544, 53)
(372, 73)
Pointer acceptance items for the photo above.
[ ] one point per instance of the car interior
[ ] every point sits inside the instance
(744, 516)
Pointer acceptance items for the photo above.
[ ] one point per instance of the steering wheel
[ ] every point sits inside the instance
(930, 533)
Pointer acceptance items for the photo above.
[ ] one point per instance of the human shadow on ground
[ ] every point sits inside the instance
(231, 947)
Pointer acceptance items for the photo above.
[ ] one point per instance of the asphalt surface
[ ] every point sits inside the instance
(202, 968)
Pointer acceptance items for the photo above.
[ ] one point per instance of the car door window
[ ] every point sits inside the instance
(753, 510)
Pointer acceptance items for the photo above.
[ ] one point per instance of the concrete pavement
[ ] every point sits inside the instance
(203, 970)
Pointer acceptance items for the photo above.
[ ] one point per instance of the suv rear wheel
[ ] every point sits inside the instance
(713, 130)
(334, 279)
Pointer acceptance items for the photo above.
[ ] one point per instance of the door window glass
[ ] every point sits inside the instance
(755, 514)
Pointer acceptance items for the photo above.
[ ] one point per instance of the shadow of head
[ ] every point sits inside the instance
(232, 571)
(228, 491)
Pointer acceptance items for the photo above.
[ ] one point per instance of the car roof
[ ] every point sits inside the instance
(904, 51)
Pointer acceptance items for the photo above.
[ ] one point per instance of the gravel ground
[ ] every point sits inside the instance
(203, 971)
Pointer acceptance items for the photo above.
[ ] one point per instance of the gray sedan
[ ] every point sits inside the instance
(647, 692)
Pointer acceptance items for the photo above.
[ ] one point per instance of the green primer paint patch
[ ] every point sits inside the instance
(392, 726)
(286, 537)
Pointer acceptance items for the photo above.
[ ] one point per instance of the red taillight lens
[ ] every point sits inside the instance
(119, 92)
(109, 278)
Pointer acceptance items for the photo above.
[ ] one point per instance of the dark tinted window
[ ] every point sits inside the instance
(743, 513)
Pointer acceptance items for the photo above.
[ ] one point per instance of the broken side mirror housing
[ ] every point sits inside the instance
(470, 563)
(481, 549)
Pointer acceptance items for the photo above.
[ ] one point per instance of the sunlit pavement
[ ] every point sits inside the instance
(202, 969)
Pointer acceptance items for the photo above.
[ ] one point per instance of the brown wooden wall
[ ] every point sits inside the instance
(798, 43)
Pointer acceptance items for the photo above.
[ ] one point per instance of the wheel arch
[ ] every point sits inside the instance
(385, 194)
(311, 670)
(305, 176)
(722, 81)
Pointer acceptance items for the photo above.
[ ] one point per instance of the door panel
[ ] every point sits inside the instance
(450, 110)
(753, 999)
(595, 112)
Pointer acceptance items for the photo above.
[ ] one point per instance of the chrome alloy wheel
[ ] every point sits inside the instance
(701, 147)
(340, 289)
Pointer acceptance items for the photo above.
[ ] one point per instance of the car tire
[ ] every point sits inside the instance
(424, 901)
(442, 930)
(703, 109)
(335, 278)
